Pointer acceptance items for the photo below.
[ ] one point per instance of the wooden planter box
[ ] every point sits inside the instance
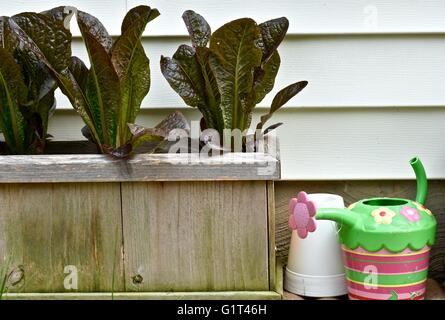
(146, 228)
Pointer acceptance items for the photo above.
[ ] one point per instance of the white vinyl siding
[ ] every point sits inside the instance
(376, 73)
(343, 71)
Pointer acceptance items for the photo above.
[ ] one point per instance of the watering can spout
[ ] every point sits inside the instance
(422, 182)
(339, 215)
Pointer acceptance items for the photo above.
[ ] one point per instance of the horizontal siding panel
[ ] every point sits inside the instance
(110, 13)
(345, 71)
(327, 144)
(308, 16)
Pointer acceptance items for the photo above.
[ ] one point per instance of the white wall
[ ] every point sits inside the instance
(376, 73)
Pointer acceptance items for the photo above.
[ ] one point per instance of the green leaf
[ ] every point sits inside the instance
(272, 127)
(72, 89)
(185, 56)
(132, 66)
(212, 95)
(272, 33)
(284, 95)
(198, 28)
(52, 47)
(128, 46)
(48, 35)
(265, 76)
(233, 60)
(36, 39)
(102, 87)
(95, 29)
(142, 135)
(12, 90)
(79, 71)
(40, 42)
(45, 109)
(62, 14)
(139, 12)
(183, 74)
(280, 99)
(175, 120)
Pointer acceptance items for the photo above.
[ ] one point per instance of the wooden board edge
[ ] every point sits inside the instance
(221, 295)
(168, 167)
(92, 167)
(271, 233)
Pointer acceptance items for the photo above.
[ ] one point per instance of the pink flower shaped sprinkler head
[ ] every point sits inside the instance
(302, 212)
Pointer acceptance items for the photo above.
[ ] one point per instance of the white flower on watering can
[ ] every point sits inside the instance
(383, 215)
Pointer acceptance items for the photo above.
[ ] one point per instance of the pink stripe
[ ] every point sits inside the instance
(382, 296)
(406, 267)
(377, 259)
(353, 297)
(384, 251)
(387, 290)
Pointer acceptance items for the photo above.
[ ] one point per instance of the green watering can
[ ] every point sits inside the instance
(385, 241)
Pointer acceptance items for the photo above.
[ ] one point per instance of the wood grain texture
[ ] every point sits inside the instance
(276, 294)
(222, 295)
(45, 228)
(352, 191)
(195, 236)
(273, 281)
(141, 167)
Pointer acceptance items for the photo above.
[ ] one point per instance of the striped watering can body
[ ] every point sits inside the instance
(385, 241)
(383, 275)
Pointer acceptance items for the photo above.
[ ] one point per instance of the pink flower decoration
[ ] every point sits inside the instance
(410, 214)
(302, 212)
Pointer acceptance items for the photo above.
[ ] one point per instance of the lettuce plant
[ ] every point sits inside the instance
(26, 86)
(113, 88)
(107, 95)
(225, 74)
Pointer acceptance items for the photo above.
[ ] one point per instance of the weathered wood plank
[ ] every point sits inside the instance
(195, 236)
(271, 224)
(49, 231)
(352, 191)
(142, 167)
(222, 295)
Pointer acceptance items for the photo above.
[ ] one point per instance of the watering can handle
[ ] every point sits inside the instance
(422, 182)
